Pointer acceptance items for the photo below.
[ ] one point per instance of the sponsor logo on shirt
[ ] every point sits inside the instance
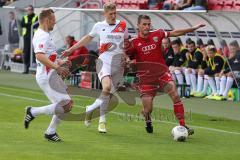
(149, 48)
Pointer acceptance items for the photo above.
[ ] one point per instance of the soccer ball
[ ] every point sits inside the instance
(180, 133)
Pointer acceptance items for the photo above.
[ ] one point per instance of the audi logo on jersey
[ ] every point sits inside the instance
(149, 47)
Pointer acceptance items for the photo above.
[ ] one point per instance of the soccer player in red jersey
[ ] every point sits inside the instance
(152, 72)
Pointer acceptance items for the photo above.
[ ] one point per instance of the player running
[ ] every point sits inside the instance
(146, 49)
(112, 33)
(47, 66)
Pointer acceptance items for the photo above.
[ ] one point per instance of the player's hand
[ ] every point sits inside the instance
(188, 55)
(199, 26)
(66, 53)
(63, 71)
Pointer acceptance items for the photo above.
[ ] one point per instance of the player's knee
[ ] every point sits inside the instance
(172, 92)
(68, 107)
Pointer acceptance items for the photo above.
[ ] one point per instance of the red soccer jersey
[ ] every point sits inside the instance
(148, 49)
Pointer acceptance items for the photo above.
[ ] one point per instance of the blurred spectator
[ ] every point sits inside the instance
(201, 45)
(179, 62)
(13, 35)
(167, 51)
(17, 55)
(198, 5)
(214, 65)
(155, 4)
(170, 6)
(232, 70)
(81, 53)
(194, 57)
(182, 4)
(223, 50)
(210, 42)
(27, 21)
(70, 41)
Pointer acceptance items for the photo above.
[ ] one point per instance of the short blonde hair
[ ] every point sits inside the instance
(109, 6)
(46, 13)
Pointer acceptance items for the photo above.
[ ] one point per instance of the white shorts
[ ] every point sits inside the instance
(53, 87)
(112, 70)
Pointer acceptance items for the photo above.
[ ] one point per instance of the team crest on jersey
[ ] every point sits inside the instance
(155, 39)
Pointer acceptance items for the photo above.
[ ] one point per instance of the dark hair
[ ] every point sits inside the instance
(140, 17)
(192, 42)
(188, 40)
(210, 42)
(234, 44)
(71, 37)
(46, 13)
(176, 41)
(31, 6)
(199, 42)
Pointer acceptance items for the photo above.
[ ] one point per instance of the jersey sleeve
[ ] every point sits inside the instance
(95, 31)
(163, 34)
(41, 44)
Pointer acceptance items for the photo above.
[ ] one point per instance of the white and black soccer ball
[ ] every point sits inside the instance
(180, 133)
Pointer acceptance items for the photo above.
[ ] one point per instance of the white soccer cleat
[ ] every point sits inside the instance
(102, 127)
(88, 118)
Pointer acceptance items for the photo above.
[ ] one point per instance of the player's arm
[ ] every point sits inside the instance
(180, 32)
(84, 41)
(41, 57)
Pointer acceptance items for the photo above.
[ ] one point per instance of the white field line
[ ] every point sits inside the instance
(122, 114)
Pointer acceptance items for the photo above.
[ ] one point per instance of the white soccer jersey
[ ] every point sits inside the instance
(42, 42)
(111, 40)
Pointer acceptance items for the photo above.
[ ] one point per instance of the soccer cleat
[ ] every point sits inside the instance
(209, 97)
(149, 127)
(190, 130)
(88, 117)
(28, 117)
(52, 137)
(199, 94)
(218, 98)
(102, 127)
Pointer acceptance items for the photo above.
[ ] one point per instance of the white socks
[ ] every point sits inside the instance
(104, 107)
(212, 85)
(179, 77)
(228, 86)
(94, 106)
(200, 83)
(53, 125)
(48, 110)
(187, 77)
(193, 80)
(222, 85)
(205, 85)
(217, 79)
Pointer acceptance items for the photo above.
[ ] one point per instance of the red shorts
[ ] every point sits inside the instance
(156, 84)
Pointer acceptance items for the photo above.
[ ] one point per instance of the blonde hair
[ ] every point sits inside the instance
(46, 13)
(109, 7)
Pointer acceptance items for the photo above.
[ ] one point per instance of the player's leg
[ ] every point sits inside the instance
(229, 84)
(217, 80)
(187, 73)
(179, 76)
(169, 87)
(193, 81)
(147, 102)
(147, 93)
(212, 84)
(200, 80)
(223, 81)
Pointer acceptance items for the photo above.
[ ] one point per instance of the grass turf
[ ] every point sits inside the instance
(126, 138)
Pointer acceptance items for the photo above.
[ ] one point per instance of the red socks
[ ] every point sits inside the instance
(179, 112)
